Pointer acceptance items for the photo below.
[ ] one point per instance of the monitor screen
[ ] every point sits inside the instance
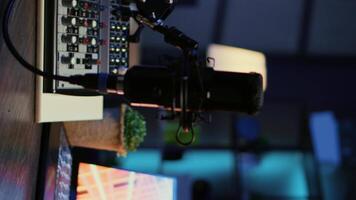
(103, 183)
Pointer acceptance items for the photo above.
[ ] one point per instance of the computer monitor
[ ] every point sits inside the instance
(104, 183)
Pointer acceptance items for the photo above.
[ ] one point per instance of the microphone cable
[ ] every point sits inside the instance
(16, 54)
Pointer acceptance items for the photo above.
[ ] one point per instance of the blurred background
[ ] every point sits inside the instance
(302, 145)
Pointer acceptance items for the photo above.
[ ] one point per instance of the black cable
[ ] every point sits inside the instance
(97, 82)
(16, 54)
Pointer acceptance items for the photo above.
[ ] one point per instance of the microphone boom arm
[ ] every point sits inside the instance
(189, 48)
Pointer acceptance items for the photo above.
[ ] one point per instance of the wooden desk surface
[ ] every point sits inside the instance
(19, 135)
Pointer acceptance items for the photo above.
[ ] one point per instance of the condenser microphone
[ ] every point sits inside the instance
(159, 86)
(225, 91)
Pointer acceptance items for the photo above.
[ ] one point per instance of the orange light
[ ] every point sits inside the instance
(144, 105)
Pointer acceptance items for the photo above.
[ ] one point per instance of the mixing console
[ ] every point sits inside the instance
(88, 39)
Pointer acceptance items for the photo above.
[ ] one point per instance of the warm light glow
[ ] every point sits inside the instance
(98, 182)
(234, 59)
(144, 105)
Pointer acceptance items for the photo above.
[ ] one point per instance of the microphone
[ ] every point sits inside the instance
(240, 92)
(225, 91)
(159, 86)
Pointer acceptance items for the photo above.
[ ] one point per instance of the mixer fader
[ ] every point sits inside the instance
(89, 39)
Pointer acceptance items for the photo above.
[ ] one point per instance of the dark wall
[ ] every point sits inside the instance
(274, 26)
(269, 26)
(332, 28)
(321, 83)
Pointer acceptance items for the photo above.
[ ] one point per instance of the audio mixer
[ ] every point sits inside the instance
(87, 38)
(78, 37)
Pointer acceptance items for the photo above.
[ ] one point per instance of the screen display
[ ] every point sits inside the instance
(103, 183)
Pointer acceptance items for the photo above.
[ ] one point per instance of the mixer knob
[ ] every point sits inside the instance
(69, 21)
(94, 24)
(68, 60)
(70, 3)
(93, 41)
(69, 39)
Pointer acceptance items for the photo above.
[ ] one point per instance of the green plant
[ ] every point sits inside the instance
(135, 129)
